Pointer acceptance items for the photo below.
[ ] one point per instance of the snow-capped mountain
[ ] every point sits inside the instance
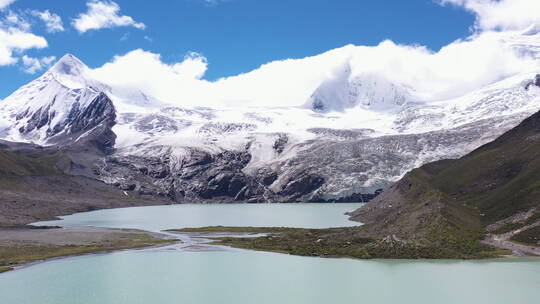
(356, 134)
(58, 106)
(368, 91)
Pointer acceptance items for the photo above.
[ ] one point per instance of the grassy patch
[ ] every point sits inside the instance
(43, 163)
(513, 226)
(304, 242)
(19, 254)
(226, 229)
(5, 269)
(528, 237)
(350, 242)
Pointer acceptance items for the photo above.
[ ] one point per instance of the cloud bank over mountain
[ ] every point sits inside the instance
(454, 70)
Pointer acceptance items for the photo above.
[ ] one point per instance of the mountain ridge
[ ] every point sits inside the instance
(256, 155)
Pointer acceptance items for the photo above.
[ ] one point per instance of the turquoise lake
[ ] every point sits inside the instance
(173, 275)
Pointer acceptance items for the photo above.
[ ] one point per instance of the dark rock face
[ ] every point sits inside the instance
(96, 120)
(38, 119)
(221, 127)
(101, 109)
(318, 105)
(222, 184)
(352, 198)
(268, 178)
(89, 137)
(204, 177)
(281, 141)
(158, 123)
(535, 82)
(302, 184)
(99, 113)
(198, 177)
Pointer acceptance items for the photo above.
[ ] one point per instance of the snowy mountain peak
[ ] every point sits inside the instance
(60, 104)
(367, 90)
(69, 65)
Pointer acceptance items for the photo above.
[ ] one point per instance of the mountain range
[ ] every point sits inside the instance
(354, 136)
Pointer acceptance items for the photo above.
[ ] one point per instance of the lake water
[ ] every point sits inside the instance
(156, 218)
(172, 275)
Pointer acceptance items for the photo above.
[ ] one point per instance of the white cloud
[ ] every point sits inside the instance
(103, 14)
(456, 69)
(5, 3)
(502, 14)
(14, 39)
(193, 66)
(33, 65)
(16, 20)
(141, 70)
(52, 21)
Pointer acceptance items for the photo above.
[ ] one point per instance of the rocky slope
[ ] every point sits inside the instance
(33, 186)
(494, 189)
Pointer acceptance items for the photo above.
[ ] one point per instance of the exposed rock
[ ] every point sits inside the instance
(302, 185)
(535, 82)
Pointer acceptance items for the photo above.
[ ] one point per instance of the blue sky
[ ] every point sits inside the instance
(235, 35)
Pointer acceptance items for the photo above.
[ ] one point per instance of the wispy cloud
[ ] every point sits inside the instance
(33, 65)
(5, 3)
(15, 36)
(103, 14)
(52, 21)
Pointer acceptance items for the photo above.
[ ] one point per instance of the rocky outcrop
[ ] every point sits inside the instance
(534, 82)
(205, 177)
(199, 176)
(89, 137)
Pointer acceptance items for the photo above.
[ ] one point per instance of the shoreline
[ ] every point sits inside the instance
(312, 243)
(23, 247)
(37, 262)
(206, 238)
(214, 238)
